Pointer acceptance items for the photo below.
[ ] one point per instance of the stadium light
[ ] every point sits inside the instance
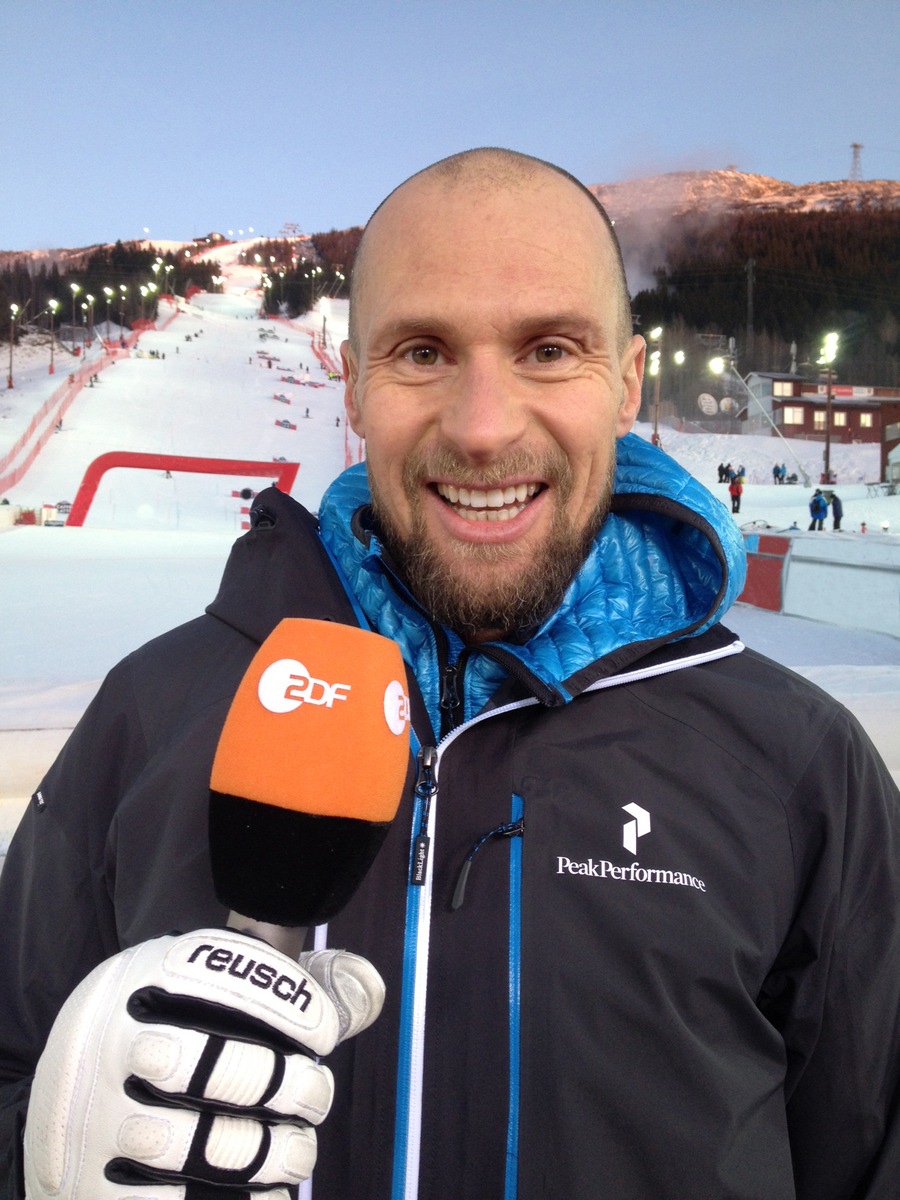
(108, 293)
(13, 311)
(656, 335)
(75, 290)
(52, 305)
(826, 359)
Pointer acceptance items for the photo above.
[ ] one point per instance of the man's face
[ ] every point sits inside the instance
(490, 389)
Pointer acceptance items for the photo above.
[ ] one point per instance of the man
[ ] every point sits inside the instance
(655, 949)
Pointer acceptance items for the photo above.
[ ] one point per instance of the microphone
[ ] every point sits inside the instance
(307, 776)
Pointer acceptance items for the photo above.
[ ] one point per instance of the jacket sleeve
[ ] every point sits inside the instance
(835, 991)
(56, 913)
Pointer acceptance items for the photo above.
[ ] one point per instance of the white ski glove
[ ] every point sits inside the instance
(184, 1065)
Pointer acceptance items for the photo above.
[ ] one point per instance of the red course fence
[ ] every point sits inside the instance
(284, 473)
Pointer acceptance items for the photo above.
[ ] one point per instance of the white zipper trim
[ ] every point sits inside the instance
(417, 1031)
(420, 974)
(692, 660)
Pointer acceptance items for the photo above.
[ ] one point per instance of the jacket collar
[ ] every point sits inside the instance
(666, 565)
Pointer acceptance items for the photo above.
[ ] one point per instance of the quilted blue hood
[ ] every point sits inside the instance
(667, 564)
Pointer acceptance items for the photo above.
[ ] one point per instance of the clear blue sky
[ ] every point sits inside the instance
(184, 116)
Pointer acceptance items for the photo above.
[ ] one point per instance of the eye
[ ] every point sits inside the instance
(548, 352)
(422, 356)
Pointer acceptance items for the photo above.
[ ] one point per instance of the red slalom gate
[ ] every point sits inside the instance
(284, 472)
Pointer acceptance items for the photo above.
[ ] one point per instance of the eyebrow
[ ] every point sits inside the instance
(562, 323)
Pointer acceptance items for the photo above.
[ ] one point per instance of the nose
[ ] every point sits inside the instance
(484, 412)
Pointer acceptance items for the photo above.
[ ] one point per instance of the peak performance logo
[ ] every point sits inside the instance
(636, 828)
(602, 868)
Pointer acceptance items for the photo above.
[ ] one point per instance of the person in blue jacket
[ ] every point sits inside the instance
(605, 972)
(818, 510)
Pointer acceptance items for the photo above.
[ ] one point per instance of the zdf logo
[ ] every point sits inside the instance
(286, 684)
(396, 707)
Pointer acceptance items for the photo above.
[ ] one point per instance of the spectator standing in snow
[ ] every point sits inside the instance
(736, 490)
(818, 510)
(837, 510)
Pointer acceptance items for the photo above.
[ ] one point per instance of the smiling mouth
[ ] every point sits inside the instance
(492, 504)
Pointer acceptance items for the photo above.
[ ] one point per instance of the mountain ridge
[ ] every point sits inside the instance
(730, 190)
(669, 194)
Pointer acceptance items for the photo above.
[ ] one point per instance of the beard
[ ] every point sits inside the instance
(490, 592)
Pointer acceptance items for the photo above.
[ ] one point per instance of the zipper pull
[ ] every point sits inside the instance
(450, 691)
(513, 829)
(426, 790)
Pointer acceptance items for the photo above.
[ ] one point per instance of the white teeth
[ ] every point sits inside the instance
(490, 514)
(495, 504)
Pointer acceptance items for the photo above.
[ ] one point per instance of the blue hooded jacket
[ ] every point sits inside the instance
(667, 564)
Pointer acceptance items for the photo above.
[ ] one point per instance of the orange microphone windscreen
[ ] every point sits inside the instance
(309, 770)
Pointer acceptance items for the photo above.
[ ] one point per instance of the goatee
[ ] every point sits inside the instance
(455, 583)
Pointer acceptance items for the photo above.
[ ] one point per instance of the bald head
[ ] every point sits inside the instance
(482, 172)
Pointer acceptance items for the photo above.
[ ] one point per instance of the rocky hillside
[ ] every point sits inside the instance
(731, 190)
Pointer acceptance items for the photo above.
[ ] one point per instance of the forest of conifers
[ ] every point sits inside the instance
(812, 273)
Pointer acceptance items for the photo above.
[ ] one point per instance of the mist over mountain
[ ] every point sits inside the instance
(771, 265)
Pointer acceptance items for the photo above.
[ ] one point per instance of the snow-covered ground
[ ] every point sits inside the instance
(152, 549)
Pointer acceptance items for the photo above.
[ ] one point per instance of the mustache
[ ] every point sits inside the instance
(442, 462)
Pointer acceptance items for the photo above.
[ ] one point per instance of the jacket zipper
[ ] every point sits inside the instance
(517, 823)
(410, 1058)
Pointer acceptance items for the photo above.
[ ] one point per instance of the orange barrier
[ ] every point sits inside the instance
(285, 473)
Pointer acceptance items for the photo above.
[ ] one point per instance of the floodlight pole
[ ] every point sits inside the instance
(13, 309)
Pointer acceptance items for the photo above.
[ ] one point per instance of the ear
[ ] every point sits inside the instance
(351, 377)
(631, 366)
